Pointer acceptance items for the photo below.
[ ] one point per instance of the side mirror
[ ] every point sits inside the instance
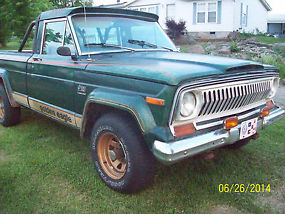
(63, 51)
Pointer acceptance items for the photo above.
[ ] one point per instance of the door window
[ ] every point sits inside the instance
(53, 37)
(68, 40)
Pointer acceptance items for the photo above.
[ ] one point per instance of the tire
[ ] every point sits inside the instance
(121, 157)
(9, 116)
(238, 144)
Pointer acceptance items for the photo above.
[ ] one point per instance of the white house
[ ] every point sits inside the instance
(214, 17)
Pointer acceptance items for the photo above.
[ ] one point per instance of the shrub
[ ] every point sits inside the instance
(273, 60)
(174, 29)
(234, 47)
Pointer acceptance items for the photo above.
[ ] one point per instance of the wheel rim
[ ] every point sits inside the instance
(112, 156)
(2, 110)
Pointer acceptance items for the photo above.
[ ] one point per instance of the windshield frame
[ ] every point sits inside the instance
(124, 49)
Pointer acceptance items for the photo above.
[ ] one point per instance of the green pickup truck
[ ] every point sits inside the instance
(116, 77)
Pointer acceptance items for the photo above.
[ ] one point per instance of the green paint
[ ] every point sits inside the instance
(121, 80)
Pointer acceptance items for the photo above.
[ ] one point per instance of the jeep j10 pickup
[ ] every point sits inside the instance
(115, 76)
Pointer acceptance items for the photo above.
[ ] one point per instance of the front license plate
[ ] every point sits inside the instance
(248, 128)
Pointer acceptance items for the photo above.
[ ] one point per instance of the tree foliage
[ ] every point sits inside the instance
(174, 29)
(16, 15)
(70, 3)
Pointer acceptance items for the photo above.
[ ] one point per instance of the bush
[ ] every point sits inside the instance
(273, 60)
(234, 47)
(174, 29)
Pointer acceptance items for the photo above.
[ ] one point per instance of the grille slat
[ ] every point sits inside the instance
(228, 98)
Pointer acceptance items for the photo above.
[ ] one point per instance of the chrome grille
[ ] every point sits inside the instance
(227, 98)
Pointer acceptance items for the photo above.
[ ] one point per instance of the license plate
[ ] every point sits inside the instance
(248, 128)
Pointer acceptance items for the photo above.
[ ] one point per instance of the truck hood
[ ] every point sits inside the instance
(171, 68)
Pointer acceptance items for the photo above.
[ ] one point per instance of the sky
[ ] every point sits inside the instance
(278, 6)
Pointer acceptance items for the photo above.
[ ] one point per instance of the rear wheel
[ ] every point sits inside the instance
(9, 115)
(121, 157)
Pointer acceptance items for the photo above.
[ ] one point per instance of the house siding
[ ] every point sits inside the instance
(186, 13)
(257, 16)
(228, 20)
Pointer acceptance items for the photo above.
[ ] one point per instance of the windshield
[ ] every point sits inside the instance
(103, 34)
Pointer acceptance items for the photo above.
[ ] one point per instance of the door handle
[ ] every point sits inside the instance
(37, 59)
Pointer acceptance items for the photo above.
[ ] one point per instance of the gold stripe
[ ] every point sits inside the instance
(78, 121)
(53, 112)
(121, 105)
(21, 99)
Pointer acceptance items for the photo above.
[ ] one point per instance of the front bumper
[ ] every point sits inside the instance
(171, 152)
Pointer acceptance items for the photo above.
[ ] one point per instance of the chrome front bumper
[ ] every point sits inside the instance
(171, 152)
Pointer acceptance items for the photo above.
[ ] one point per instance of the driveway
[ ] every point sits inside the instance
(280, 96)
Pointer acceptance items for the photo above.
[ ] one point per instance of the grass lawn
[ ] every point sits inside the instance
(46, 168)
(14, 44)
(264, 39)
(270, 40)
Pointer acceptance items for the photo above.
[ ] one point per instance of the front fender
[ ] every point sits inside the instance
(133, 104)
(7, 86)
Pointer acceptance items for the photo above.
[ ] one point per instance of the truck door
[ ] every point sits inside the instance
(50, 79)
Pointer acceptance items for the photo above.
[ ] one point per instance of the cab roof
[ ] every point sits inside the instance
(61, 13)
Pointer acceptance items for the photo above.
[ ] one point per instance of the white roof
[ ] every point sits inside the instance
(276, 18)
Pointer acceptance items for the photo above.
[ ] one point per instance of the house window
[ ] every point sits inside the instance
(244, 15)
(207, 12)
(170, 11)
(149, 9)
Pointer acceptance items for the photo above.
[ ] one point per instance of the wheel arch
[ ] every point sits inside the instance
(101, 101)
(6, 84)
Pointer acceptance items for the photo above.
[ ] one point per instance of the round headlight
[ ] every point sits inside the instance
(188, 104)
(274, 88)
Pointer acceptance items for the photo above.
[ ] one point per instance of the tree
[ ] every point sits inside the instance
(5, 31)
(174, 29)
(70, 3)
(16, 15)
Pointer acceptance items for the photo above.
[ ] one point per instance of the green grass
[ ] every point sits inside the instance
(270, 40)
(46, 168)
(263, 39)
(14, 44)
(275, 60)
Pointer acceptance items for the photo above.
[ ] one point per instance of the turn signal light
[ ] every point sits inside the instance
(231, 123)
(184, 130)
(154, 101)
(265, 112)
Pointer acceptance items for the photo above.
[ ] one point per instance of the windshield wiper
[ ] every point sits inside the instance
(104, 45)
(144, 43)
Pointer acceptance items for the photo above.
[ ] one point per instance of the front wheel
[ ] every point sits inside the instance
(121, 157)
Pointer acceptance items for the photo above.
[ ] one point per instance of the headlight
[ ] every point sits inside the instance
(274, 88)
(188, 104)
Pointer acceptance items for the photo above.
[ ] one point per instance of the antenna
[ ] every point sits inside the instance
(85, 17)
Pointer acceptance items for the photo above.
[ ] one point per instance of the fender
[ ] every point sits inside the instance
(133, 104)
(7, 86)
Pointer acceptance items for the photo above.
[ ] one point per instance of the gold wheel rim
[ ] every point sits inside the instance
(112, 156)
(2, 110)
